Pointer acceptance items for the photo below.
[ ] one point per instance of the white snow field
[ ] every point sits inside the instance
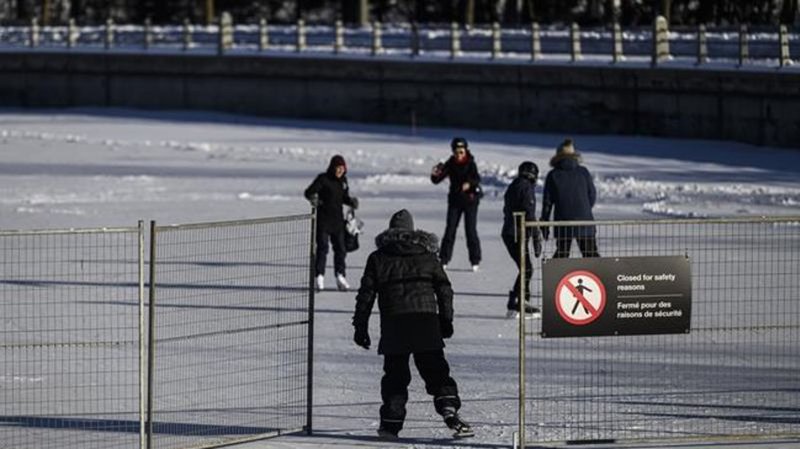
(89, 168)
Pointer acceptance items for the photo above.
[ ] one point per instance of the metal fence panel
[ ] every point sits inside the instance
(734, 374)
(70, 304)
(231, 331)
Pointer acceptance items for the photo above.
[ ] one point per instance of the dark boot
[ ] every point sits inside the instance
(460, 428)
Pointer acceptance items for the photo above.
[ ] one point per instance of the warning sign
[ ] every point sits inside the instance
(616, 296)
(580, 298)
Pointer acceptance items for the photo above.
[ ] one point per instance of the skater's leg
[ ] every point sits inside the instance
(339, 252)
(588, 246)
(322, 251)
(471, 231)
(449, 238)
(563, 244)
(394, 391)
(435, 371)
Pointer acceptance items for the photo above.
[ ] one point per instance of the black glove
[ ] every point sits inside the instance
(446, 328)
(314, 200)
(361, 337)
(545, 232)
(354, 202)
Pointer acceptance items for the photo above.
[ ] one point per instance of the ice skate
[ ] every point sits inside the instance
(319, 282)
(341, 283)
(386, 434)
(513, 308)
(460, 428)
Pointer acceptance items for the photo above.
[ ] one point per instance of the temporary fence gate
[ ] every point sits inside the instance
(219, 353)
(735, 373)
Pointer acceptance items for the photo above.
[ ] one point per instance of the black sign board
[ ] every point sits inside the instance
(616, 296)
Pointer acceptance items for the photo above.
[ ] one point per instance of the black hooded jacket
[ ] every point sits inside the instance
(459, 174)
(570, 194)
(413, 292)
(332, 193)
(519, 197)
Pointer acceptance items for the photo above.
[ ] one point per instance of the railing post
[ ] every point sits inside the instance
(618, 50)
(300, 41)
(455, 40)
(497, 45)
(702, 44)
(148, 33)
(414, 39)
(521, 245)
(33, 39)
(377, 45)
(338, 36)
(187, 34)
(225, 33)
(575, 42)
(744, 45)
(72, 33)
(536, 42)
(109, 33)
(784, 58)
(660, 41)
(263, 35)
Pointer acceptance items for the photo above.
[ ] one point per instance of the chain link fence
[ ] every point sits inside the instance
(733, 374)
(219, 353)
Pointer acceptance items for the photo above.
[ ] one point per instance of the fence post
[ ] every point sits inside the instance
(72, 33)
(225, 33)
(263, 35)
(151, 336)
(300, 42)
(536, 42)
(148, 33)
(414, 39)
(660, 40)
(497, 45)
(617, 37)
(143, 385)
(33, 39)
(377, 45)
(338, 36)
(575, 42)
(187, 34)
(522, 242)
(109, 33)
(784, 58)
(312, 256)
(744, 46)
(702, 44)
(455, 40)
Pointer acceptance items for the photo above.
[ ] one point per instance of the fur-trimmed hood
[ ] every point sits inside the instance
(560, 157)
(405, 240)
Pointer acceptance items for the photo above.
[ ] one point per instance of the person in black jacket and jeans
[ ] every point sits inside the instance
(329, 192)
(520, 197)
(570, 194)
(463, 198)
(416, 309)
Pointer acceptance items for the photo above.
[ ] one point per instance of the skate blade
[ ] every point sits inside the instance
(460, 435)
(513, 314)
(386, 435)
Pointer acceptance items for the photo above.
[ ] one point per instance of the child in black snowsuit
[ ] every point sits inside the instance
(519, 197)
(416, 309)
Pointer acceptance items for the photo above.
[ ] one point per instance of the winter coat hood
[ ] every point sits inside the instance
(565, 161)
(405, 241)
(336, 161)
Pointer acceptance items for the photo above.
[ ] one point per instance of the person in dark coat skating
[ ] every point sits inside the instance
(415, 301)
(569, 194)
(463, 198)
(329, 192)
(520, 197)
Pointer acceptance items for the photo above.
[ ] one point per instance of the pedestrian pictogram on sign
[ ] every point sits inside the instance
(580, 297)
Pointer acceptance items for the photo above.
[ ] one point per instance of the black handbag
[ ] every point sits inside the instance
(352, 228)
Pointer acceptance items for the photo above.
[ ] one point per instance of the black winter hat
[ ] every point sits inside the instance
(529, 170)
(458, 142)
(402, 219)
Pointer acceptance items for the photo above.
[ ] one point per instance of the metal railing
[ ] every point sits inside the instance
(220, 352)
(655, 45)
(734, 374)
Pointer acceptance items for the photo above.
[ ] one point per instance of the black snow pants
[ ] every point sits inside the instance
(435, 371)
(339, 252)
(513, 250)
(454, 212)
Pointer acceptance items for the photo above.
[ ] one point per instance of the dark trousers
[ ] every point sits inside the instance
(513, 250)
(339, 252)
(454, 212)
(587, 245)
(434, 370)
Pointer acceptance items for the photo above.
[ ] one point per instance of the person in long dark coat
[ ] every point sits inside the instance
(462, 199)
(569, 193)
(329, 192)
(416, 310)
(520, 197)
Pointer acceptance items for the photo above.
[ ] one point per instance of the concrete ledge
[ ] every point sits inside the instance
(759, 107)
